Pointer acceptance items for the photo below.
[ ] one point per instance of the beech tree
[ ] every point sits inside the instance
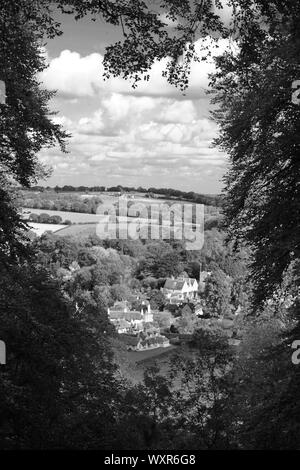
(58, 385)
(25, 120)
(217, 294)
(259, 130)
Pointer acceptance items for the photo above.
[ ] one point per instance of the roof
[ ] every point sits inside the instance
(174, 284)
(177, 284)
(187, 309)
(118, 306)
(128, 316)
(122, 323)
(198, 308)
(192, 280)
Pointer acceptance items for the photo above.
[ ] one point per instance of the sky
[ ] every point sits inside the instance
(152, 136)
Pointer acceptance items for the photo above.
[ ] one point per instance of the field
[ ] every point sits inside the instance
(134, 364)
(86, 224)
(140, 356)
(74, 217)
(39, 229)
(73, 230)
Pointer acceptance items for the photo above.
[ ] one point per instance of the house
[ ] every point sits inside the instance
(180, 289)
(122, 326)
(187, 310)
(198, 310)
(125, 319)
(143, 341)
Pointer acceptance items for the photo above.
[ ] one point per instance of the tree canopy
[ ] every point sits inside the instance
(259, 130)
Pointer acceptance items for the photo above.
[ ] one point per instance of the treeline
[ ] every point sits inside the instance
(48, 219)
(209, 200)
(50, 200)
(86, 204)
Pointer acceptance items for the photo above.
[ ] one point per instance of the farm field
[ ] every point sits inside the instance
(82, 218)
(82, 229)
(93, 229)
(39, 229)
(86, 224)
(74, 217)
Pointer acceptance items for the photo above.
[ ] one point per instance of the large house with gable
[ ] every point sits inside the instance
(181, 289)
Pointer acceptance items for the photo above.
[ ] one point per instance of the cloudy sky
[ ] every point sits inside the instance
(152, 136)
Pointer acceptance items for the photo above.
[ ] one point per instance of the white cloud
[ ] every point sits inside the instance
(139, 137)
(76, 76)
(152, 136)
(73, 75)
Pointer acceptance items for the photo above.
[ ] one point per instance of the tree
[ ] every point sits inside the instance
(12, 245)
(199, 403)
(186, 323)
(217, 294)
(25, 124)
(259, 126)
(262, 401)
(120, 292)
(165, 320)
(145, 421)
(59, 377)
(157, 299)
(44, 218)
(160, 261)
(55, 219)
(34, 217)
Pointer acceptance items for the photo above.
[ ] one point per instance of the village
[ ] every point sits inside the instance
(142, 328)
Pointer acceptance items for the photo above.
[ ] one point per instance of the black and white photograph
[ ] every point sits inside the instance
(149, 228)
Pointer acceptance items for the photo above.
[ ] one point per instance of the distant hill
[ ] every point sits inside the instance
(191, 196)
